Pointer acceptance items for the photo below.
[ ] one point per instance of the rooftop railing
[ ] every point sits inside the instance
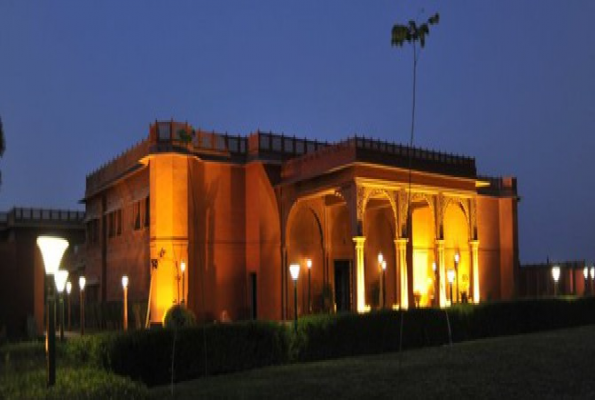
(23, 214)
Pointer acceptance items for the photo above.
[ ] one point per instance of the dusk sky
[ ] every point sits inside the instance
(511, 83)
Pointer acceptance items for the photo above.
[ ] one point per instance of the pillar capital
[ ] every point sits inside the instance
(401, 241)
(474, 243)
(359, 240)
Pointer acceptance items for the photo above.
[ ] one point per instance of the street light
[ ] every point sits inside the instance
(125, 287)
(294, 270)
(436, 294)
(52, 249)
(457, 258)
(61, 276)
(450, 275)
(381, 286)
(309, 265)
(556, 276)
(383, 283)
(82, 282)
(68, 290)
(592, 273)
(586, 274)
(183, 269)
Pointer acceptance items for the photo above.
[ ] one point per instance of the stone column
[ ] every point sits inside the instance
(441, 272)
(360, 298)
(401, 245)
(474, 245)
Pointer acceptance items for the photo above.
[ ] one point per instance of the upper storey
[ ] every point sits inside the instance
(298, 158)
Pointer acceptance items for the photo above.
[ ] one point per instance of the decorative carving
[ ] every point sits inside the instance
(473, 224)
(403, 203)
(370, 193)
(439, 216)
(362, 198)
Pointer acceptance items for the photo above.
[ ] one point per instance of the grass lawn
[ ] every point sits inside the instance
(551, 365)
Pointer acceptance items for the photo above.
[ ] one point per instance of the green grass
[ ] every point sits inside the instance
(23, 376)
(551, 365)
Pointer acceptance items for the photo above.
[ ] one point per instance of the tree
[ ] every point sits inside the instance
(2, 145)
(414, 34)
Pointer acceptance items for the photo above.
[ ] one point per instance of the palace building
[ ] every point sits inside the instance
(214, 221)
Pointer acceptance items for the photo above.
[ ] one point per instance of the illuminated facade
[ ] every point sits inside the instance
(238, 210)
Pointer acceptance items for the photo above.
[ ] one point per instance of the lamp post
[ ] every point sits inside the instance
(436, 294)
(383, 283)
(592, 273)
(52, 250)
(125, 287)
(82, 282)
(309, 265)
(556, 276)
(586, 275)
(450, 275)
(61, 276)
(457, 258)
(183, 269)
(294, 270)
(381, 286)
(68, 290)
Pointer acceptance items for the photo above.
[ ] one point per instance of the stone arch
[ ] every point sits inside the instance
(383, 193)
(465, 206)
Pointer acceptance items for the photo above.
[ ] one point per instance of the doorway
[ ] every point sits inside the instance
(343, 285)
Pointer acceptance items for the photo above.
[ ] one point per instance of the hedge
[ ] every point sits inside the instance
(323, 337)
(224, 348)
(198, 351)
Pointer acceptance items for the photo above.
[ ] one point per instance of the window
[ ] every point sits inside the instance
(147, 211)
(118, 222)
(114, 223)
(93, 231)
(136, 214)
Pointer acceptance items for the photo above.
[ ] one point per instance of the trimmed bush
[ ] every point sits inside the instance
(178, 317)
(224, 348)
(197, 351)
(331, 336)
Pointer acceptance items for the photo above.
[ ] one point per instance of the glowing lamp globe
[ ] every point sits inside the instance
(457, 257)
(309, 263)
(183, 266)
(592, 272)
(450, 275)
(434, 266)
(586, 272)
(294, 270)
(380, 258)
(68, 287)
(61, 277)
(125, 281)
(556, 273)
(82, 282)
(52, 249)
(384, 265)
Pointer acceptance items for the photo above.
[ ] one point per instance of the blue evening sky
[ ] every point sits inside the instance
(508, 82)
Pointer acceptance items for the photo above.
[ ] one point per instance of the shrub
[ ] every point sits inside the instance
(331, 336)
(178, 317)
(211, 349)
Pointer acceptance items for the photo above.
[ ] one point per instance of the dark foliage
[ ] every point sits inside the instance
(199, 351)
(324, 337)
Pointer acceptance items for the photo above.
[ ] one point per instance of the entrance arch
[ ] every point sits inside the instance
(379, 230)
(456, 241)
(422, 279)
